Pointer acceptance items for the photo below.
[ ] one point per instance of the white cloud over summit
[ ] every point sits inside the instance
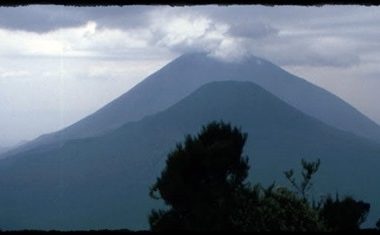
(328, 36)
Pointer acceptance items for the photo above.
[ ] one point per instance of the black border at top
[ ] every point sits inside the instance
(15, 3)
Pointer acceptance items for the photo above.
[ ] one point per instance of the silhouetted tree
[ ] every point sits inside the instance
(204, 188)
(275, 209)
(308, 170)
(346, 214)
(201, 179)
(378, 224)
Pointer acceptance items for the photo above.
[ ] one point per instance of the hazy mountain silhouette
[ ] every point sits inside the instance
(103, 182)
(188, 72)
(3, 149)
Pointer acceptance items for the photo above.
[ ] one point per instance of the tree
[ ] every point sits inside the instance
(201, 180)
(275, 209)
(203, 185)
(204, 188)
(346, 214)
(378, 224)
(308, 170)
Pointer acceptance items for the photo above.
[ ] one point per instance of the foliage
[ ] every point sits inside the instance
(345, 214)
(378, 224)
(275, 209)
(200, 180)
(308, 170)
(203, 185)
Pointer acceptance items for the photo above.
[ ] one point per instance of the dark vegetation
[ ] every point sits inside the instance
(204, 188)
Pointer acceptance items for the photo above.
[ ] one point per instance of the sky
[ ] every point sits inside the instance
(59, 64)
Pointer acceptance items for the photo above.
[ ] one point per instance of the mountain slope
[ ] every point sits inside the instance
(187, 73)
(103, 182)
(3, 149)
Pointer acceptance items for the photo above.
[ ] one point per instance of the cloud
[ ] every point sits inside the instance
(87, 40)
(336, 36)
(36, 18)
(43, 19)
(253, 30)
(6, 73)
(185, 33)
(329, 37)
(271, 32)
(315, 51)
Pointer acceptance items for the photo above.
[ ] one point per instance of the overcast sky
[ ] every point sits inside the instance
(59, 64)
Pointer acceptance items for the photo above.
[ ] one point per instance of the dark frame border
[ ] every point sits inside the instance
(15, 3)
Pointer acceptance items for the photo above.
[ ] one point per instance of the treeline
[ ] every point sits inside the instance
(204, 187)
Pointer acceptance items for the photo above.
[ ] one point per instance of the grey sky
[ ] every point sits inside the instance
(59, 64)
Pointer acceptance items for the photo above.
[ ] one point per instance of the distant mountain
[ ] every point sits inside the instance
(103, 182)
(3, 149)
(187, 73)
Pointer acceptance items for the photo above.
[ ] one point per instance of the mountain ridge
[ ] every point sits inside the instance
(103, 182)
(188, 72)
